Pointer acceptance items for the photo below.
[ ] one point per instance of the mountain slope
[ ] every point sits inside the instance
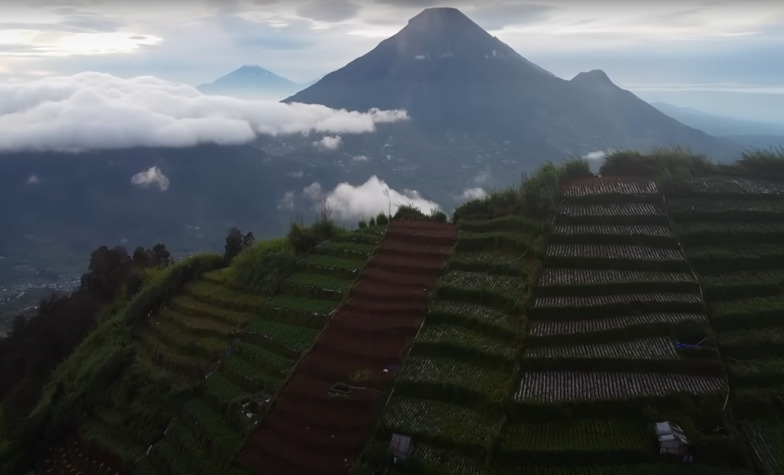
(450, 74)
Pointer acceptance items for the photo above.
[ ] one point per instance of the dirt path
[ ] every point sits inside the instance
(308, 433)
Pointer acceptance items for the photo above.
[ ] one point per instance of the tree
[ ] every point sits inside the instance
(236, 243)
(160, 256)
(109, 269)
(141, 258)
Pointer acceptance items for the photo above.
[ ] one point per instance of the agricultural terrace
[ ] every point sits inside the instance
(732, 230)
(615, 296)
(325, 412)
(207, 362)
(451, 391)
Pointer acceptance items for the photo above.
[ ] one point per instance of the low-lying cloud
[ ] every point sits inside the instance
(348, 202)
(153, 176)
(329, 142)
(473, 193)
(90, 110)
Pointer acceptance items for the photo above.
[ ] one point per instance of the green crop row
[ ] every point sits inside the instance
(492, 383)
(480, 318)
(202, 347)
(321, 281)
(488, 261)
(510, 222)
(208, 426)
(224, 297)
(767, 438)
(761, 372)
(511, 286)
(446, 424)
(578, 442)
(698, 233)
(349, 266)
(498, 241)
(187, 445)
(294, 337)
(347, 250)
(195, 325)
(450, 335)
(589, 307)
(250, 377)
(301, 304)
(743, 313)
(191, 306)
(752, 343)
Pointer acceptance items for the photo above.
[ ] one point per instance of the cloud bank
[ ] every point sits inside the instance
(349, 202)
(153, 176)
(473, 194)
(89, 111)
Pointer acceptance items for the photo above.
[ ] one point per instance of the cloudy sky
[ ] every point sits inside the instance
(719, 56)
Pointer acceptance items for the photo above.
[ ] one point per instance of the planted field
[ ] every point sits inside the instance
(223, 296)
(609, 210)
(625, 469)
(759, 341)
(736, 252)
(579, 434)
(292, 336)
(477, 312)
(745, 278)
(699, 233)
(643, 348)
(320, 281)
(347, 248)
(463, 337)
(509, 285)
(561, 386)
(301, 304)
(594, 251)
(579, 277)
(763, 370)
(742, 313)
(211, 427)
(543, 328)
(767, 438)
(331, 262)
(195, 325)
(434, 420)
(709, 209)
(641, 230)
(493, 383)
(452, 462)
(504, 223)
(602, 300)
(610, 186)
(723, 185)
(189, 306)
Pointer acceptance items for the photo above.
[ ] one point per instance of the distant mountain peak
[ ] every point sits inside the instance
(596, 76)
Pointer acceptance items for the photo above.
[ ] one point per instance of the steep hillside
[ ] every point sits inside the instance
(732, 230)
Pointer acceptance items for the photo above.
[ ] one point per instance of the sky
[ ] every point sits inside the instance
(719, 56)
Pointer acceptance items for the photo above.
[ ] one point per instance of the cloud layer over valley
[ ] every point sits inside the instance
(89, 111)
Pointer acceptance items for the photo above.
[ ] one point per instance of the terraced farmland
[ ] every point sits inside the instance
(615, 296)
(317, 427)
(732, 229)
(450, 393)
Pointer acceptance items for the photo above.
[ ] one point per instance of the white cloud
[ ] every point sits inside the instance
(313, 191)
(33, 179)
(99, 111)
(482, 177)
(329, 143)
(597, 155)
(360, 158)
(287, 202)
(296, 174)
(473, 193)
(149, 177)
(353, 202)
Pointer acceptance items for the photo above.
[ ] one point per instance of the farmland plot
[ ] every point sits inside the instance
(636, 469)
(643, 348)
(509, 285)
(463, 337)
(493, 383)
(708, 206)
(615, 209)
(748, 340)
(767, 438)
(629, 252)
(744, 369)
(643, 230)
(560, 386)
(448, 461)
(561, 276)
(746, 278)
(542, 328)
(474, 311)
(735, 185)
(610, 187)
(580, 434)
(432, 419)
(599, 300)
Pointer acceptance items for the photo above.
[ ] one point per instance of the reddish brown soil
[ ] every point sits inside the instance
(308, 433)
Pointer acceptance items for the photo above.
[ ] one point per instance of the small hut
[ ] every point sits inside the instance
(672, 440)
(400, 446)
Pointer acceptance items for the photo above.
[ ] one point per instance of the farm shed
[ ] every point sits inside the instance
(400, 446)
(672, 440)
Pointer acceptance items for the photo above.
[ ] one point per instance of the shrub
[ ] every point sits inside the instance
(408, 211)
(498, 203)
(382, 219)
(264, 267)
(362, 224)
(372, 222)
(575, 169)
(438, 215)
